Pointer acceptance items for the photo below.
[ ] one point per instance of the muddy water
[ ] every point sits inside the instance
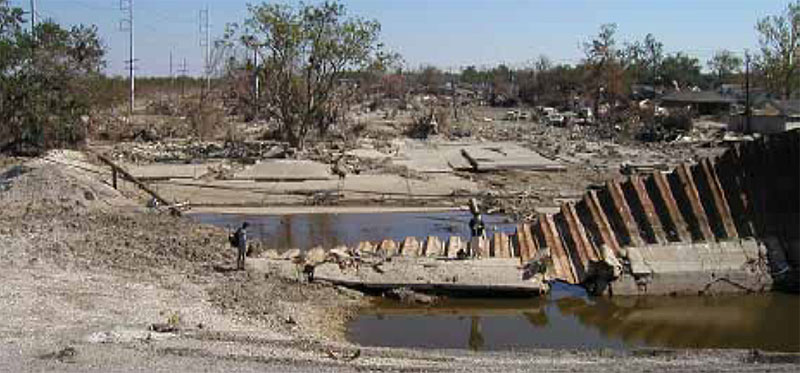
(305, 231)
(568, 319)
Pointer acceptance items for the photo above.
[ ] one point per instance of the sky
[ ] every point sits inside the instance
(450, 34)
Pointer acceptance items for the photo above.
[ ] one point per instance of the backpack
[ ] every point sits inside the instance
(233, 238)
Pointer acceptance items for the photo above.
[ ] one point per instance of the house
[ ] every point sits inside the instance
(700, 102)
(769, 116)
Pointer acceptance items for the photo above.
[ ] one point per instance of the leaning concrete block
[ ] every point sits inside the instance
(500, 246)
(454, 244)
(291, 254)
(365, 247)
(433, 246)
(316, 255)
(479, 247)
(410, 247)
(387, 248)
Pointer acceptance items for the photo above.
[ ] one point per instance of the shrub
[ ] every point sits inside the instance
(46, 77)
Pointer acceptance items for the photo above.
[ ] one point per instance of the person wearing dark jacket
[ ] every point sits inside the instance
(241, 245)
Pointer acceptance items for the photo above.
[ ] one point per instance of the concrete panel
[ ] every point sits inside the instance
(286, 170)
(410, 247)
(507, 156)
(161, 171)
(433, 247)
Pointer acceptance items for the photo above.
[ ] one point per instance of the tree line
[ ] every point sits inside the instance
(315, 60)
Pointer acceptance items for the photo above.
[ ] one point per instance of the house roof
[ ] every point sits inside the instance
(710, 97)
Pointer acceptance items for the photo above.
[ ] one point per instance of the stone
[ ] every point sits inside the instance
(340, 251)
(410, 247)
(316, 255)
(387, 248)
(270, 254)
(291, 254)
(433, 247)
(454, 244)
(365, 247)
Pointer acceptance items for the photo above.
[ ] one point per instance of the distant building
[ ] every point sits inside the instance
(700, 103)
(769, 116)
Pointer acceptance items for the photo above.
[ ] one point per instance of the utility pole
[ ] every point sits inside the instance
(126, 6)
(255, 79)
(171, 76)
(33, 18)
(205, 33)
(747, 111)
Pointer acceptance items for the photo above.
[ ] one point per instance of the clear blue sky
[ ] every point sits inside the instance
(446, 33)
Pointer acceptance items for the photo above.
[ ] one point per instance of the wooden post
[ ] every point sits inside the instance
(114, 177)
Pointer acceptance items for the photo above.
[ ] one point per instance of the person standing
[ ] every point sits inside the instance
(240, 237)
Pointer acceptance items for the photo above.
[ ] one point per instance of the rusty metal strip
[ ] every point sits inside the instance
(690, 188)
(665, 191)
(584, 251)
(649, 209)
(731, 173)
(575, 224)
(500, 245)
(527, 245)
(600, 220)
(513, 245)
(622, 208)
(720, 202)
(561, 261)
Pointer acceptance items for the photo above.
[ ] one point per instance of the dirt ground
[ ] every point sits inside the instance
(87, 273)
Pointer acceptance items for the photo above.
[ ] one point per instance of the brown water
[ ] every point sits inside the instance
(305, 231)
(569, 319)
(566, 318)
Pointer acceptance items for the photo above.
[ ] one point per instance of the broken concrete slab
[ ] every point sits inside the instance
(507, 156)
(427, 157)
(491, 276)
(285, 170)
(165, 171)
(728, 266)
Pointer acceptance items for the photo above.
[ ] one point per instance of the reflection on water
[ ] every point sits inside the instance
(769, 322)
(305, 231)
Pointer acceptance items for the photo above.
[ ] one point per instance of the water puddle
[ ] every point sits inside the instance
(304, 231)
(569, 319)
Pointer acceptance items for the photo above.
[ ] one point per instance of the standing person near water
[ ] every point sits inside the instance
(239, 240)
(476, 226)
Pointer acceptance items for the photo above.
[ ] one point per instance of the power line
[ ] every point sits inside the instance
(205, 42)
(126, 6)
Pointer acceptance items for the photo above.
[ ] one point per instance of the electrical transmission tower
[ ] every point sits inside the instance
(205, 32)
(126, 24)
(183, 70)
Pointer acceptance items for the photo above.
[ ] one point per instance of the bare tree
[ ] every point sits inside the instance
(780, 50)
(306, 52)
(723, 64)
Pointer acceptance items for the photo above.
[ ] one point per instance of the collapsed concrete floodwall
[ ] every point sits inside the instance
(728, 222)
